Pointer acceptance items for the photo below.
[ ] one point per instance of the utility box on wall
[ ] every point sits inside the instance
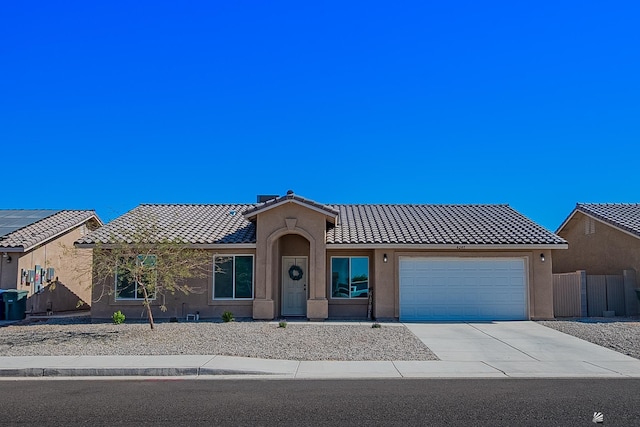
(37, 277)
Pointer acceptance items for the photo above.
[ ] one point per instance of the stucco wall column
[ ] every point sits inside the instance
(317, 304)
(542, 304)
(384, 300)
(263, 304)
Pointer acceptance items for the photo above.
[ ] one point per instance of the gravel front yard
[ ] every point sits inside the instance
(298, 341)
(619, 334)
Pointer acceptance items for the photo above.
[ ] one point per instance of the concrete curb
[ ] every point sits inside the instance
(119, 372)
(124, 372)
(21, 372)
(210, 371)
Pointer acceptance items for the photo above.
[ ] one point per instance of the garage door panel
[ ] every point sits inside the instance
(462, 289)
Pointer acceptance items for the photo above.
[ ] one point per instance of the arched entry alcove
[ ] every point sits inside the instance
(291, 258)
(291, 276)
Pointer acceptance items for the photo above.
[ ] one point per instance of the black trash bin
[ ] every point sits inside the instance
(15, 304)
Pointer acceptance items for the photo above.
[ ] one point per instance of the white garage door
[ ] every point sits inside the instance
(462, 289)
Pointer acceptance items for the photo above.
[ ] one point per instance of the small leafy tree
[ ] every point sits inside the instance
(144, 261)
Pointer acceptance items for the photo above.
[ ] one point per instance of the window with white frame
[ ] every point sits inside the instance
(233, 277)
(144, 269)
(349, 277)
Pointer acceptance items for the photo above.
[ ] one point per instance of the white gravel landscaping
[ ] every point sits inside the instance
(619, 334)
(298, 341)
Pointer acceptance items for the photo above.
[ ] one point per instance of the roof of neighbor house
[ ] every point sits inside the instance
(356, 224)
(22, 229)
(625, 216)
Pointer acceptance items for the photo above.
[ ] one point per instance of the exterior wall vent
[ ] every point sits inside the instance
(589, 226)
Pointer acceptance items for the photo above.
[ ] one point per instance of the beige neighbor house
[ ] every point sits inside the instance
(288, 256)
(604, 238)
(33, 257)
(604, 248)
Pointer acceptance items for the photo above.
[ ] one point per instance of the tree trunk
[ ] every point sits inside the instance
(148, 305)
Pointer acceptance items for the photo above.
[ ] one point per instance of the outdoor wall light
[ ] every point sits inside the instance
(542, 257)
(384, 258)
(8, 259)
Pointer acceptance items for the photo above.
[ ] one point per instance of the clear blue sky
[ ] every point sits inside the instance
(106, 105)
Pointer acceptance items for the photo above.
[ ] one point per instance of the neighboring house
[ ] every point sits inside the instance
(604, 238)
(32, 249)
(597, 275)
(289, 256)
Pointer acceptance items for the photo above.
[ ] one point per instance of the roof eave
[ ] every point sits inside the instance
(601, 220)
(54, 236)
(566, 221)
(189, 245)
(475, 246)
(331, 215)
(12, 249)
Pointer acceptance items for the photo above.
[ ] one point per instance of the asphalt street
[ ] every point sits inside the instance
(406, 402)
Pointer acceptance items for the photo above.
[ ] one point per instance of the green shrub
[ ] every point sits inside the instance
(227, 316)
(117, 317)
(376, 325)
(282, 324)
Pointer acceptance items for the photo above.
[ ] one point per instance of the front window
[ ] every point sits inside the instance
(144, 268)
(350, 277)
(233, 277)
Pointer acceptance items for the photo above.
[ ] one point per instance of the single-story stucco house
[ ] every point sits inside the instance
(32, 248)
(604, 238)
(289, 256)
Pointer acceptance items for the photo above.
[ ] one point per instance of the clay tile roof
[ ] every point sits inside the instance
(357, 224)
(625, 216)
(436, 224)
(45, 225)
(196, 224)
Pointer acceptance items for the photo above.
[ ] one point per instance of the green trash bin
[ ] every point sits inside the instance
(15, 304)
(2, 305)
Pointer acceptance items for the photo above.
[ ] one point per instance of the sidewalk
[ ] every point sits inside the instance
(466, 350)
(233, 367)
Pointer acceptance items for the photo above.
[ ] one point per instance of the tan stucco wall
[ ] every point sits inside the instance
(607, 251)
(9, 272)
(72, 268)
(384, 280)
(387, 280)
(178, 305)
(385, 293)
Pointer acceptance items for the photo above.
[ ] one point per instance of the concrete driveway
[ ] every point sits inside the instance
(521, 349)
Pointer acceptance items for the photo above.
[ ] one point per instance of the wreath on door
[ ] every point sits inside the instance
(295, 272)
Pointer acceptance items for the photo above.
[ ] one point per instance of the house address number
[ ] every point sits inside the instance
(461, 247)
